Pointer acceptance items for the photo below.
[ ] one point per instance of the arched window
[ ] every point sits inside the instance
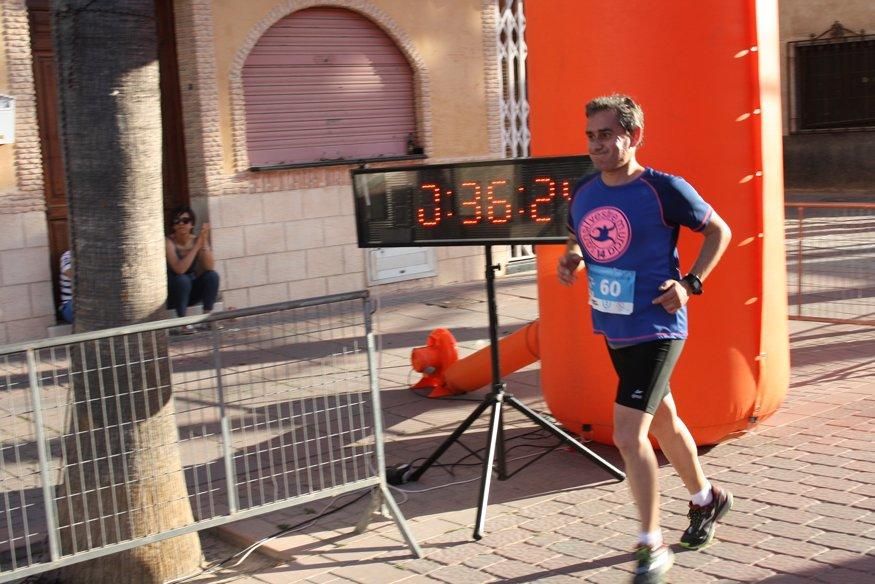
(326, 84)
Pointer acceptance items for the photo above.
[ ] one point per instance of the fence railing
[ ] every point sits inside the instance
(262, 409)
(831, 261)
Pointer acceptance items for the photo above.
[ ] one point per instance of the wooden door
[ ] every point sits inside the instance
(174, 167)
(46, 87)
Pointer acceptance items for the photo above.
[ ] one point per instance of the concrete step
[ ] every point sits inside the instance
(196, 310)
(59, 330)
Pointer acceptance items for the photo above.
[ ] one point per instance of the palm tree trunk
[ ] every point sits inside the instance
(123, 475)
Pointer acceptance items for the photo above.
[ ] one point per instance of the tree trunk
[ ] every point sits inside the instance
(122, 468)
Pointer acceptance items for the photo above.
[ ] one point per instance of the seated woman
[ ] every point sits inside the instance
(190, 276)
(65, 279)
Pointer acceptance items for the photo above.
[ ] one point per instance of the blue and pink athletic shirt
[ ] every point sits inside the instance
(628, 235)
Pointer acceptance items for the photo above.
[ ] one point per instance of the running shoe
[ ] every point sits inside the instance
(703, 519)
(653, 564)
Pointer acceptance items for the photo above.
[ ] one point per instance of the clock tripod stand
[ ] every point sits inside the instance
(495, 401)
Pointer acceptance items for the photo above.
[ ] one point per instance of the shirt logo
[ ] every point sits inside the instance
(604, 233)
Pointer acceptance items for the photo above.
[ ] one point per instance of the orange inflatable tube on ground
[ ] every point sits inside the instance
(449, 376)
(707, 75)
(515, 351)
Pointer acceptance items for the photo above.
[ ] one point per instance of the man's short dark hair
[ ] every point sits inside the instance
(629, 114)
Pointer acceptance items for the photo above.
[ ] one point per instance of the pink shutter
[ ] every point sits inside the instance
(326, 84)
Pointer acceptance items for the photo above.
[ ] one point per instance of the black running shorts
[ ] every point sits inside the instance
(644, 371)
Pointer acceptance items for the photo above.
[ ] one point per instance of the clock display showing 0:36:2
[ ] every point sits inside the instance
(496, 201)
(501, 201)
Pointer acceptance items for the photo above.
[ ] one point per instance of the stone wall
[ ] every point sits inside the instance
(26, 303)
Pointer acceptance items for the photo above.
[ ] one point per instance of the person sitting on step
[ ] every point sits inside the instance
(191, 278)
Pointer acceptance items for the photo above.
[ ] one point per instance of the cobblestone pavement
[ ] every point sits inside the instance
(804, 480)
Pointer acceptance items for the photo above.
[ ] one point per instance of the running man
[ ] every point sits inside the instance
(638, 298)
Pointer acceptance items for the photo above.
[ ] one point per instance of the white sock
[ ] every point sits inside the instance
(651, 538)
(703, 497)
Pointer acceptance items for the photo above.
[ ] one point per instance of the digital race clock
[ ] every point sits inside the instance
(511, 201)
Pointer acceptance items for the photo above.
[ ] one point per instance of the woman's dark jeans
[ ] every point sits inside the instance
(186, 290)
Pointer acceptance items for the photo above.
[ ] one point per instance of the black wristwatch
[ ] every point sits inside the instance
(694, 283)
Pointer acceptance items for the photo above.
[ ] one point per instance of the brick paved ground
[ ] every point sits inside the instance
(804, 480)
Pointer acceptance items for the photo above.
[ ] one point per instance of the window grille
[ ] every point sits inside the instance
(833, 81)
(512, 52)
(515, 137)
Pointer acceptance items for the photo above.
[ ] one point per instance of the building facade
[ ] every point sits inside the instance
(267, 106)
(828, 93)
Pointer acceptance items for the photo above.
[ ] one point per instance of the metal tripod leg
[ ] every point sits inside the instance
(453, 437)
(496, 399)
(486, 475)
(560, 433)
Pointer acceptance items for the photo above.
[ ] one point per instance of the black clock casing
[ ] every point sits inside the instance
(505, 201)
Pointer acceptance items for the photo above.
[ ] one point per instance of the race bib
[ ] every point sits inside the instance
(611, 290)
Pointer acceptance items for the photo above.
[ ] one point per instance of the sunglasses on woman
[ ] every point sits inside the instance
(182, 221)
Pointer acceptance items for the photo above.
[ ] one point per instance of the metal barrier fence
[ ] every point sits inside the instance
(831, 261)
(268, 408)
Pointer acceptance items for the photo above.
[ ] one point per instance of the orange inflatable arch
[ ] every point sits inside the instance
(707, 74)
